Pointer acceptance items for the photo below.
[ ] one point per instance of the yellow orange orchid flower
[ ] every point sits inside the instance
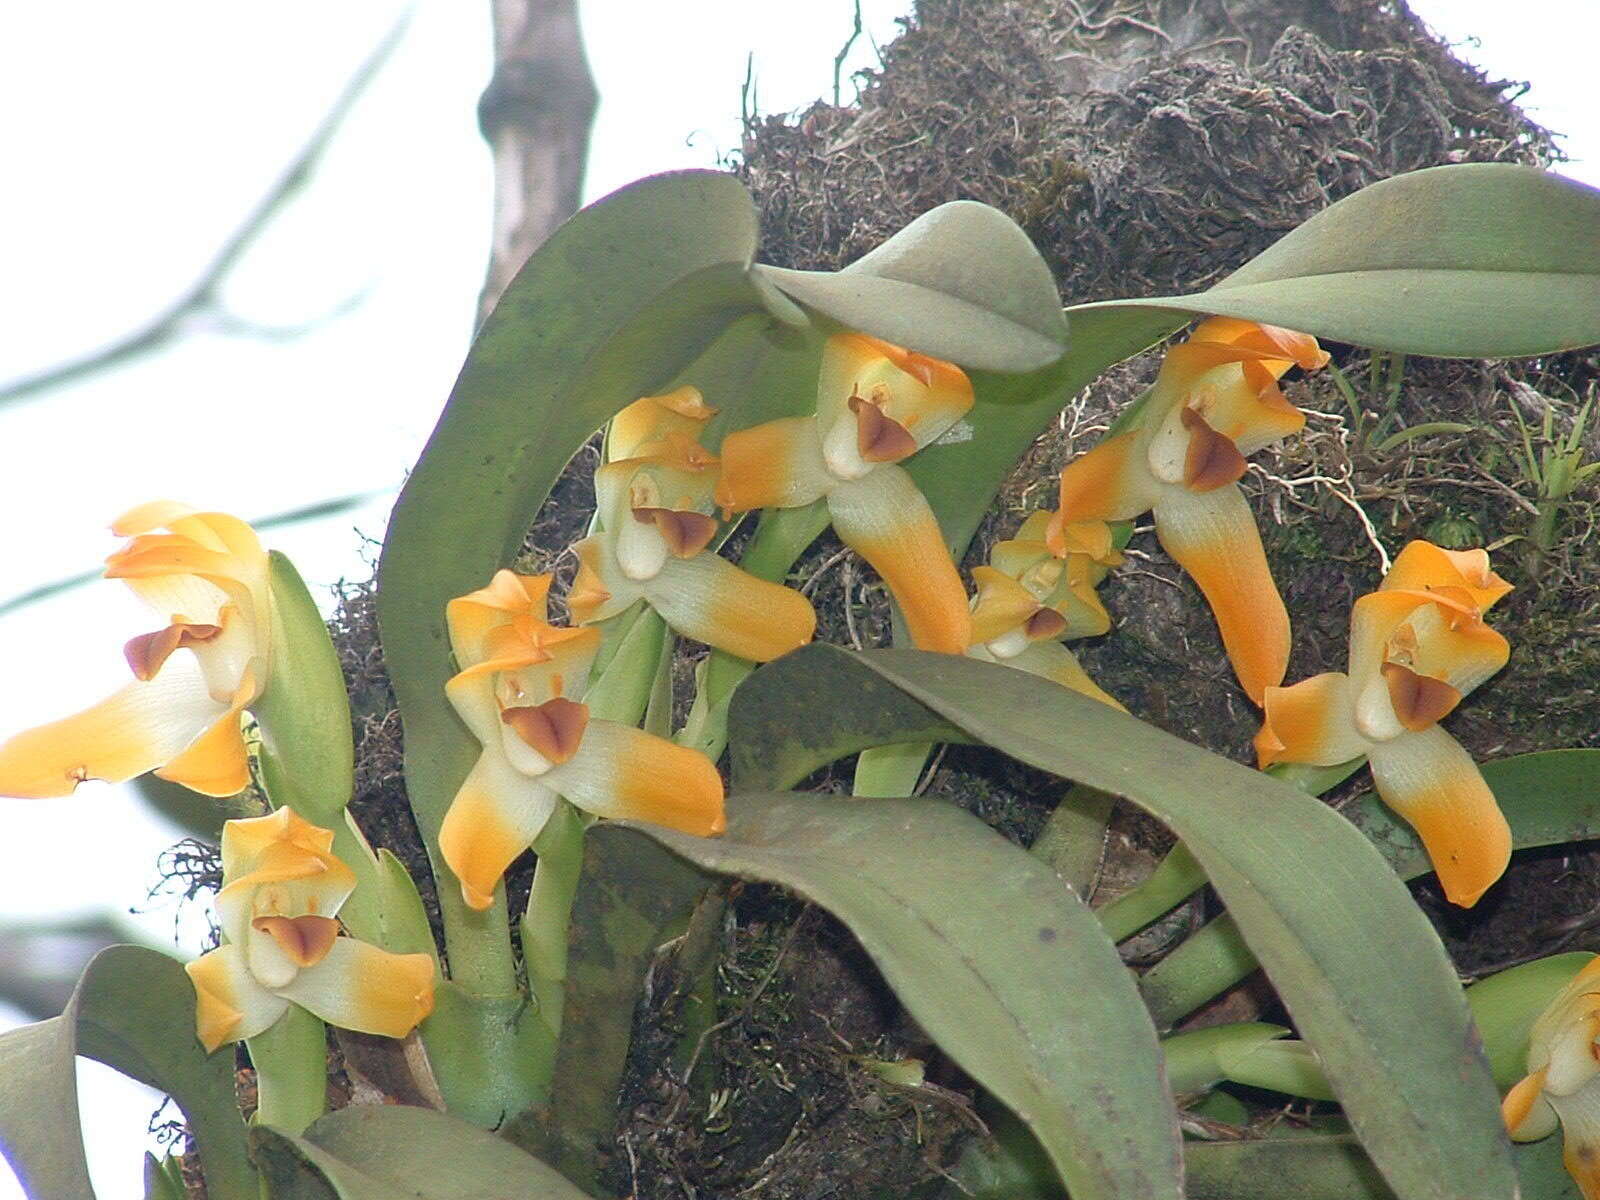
(520, 691)
(657, 521)
(1563, 1081)
(282, 888)
(651, 419)
(877, 404)
(1417, 646)
(1030, 599)
(1215, 402)
(207, 578)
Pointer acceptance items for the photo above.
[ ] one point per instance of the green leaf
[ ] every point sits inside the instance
(1549, 798)
(379, 1152)
(1333, 1167)
(307, 750)
(610, 308)
(133, 1010)
(1478, 260)
(1506, 1004)
(1006, 969)
(1385, 1015)
(163, 1179)
(961, 282)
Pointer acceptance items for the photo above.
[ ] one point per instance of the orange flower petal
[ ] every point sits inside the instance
(493, 818)
(599, 590)
(229, 1003)
(553, 729)
(247, 841)
(305, 940)
(625, 773)
(358, 986)
(888, 522)
(1422, 566)
(133, 731)
(1001, 605)
(473, 617)
(1212, 460)
(216, 763)
(1433, 783)
(923, 396)
(1309, 723)
(1110, 483)
(651, 418)
(777, 464)
(709, 599)
(1213, 537)
(1418, 700)
(1528, 1116)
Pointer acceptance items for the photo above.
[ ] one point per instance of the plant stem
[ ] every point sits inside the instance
(1177, 877)
(544, 924)
(291, 1062)
(890, 770)
(1074, 836)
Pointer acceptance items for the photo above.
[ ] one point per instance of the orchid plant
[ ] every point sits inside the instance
(887, 401)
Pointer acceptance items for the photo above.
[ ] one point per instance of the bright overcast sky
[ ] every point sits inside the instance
(138, 135)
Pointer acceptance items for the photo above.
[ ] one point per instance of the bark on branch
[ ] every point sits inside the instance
(535, 114)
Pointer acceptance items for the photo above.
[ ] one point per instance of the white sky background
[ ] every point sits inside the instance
(132, 152)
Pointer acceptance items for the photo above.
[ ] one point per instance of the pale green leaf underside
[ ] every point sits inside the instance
(380, 1152)
(133, 1010)
(961, 282)
(1480, 260)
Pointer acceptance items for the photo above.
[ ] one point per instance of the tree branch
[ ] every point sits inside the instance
(536, 115)
(201, 300)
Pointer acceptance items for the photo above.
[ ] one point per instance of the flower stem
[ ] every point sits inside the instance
(291, 1062)
(890, 770)
(1179, 876)
(1074, 836)
(544, 924)
(781, 537)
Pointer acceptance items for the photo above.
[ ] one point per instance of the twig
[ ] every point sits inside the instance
(535, 114)
(202, 298)
(844, 51)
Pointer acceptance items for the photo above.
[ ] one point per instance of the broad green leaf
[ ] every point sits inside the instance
(1292, 1166)
(1003, 966)
(1386, 1016)
(1506, 1004)
(379, 1152)
(1504, 1007)
(961, 282)
(1333, 1167)
(134, 1011)
(610, 308)
(1477, 260)
(307, 749)
(1549, 798)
